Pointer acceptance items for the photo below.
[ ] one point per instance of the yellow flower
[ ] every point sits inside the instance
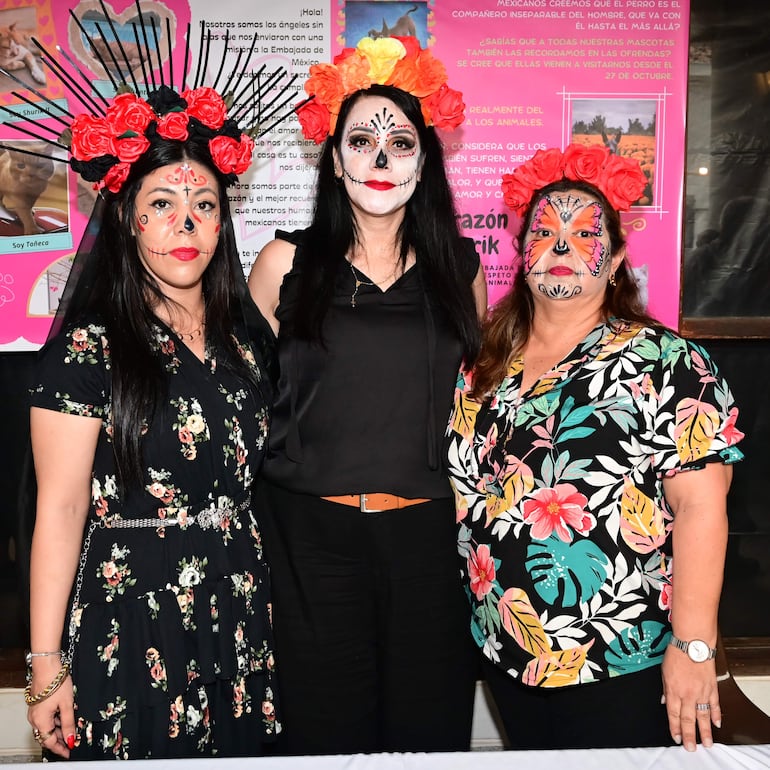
(382, 53)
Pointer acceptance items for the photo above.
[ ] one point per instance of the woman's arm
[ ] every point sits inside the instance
(63, 446)
(699, 501)
(266, 277)
(480, 292)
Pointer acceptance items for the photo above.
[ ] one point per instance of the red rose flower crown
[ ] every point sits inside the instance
(392, 61)
(114, 133)
(620, 179)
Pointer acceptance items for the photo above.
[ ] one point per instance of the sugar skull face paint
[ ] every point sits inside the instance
(566, 247)
(177, 222)
(380, 156)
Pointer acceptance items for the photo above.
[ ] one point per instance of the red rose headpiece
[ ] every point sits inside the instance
(620, 179)
(392, 61)
(105, 141)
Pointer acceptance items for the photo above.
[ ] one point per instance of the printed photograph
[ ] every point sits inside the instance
(385, 18)
(19, 56)
(33, 190)
(626, 126)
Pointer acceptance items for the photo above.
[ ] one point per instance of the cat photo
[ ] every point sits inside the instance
(18, 52)
(23, 180)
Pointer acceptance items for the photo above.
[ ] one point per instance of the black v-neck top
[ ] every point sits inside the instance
(366, 411)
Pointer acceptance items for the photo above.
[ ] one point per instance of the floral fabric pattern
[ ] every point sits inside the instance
(563, 526)
(170, 633)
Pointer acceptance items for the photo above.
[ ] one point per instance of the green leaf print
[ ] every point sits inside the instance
(566, 573)
(636, 647)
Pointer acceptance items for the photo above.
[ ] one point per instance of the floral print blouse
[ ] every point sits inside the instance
(563, 525)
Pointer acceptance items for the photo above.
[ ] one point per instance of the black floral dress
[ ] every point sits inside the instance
(169, 629)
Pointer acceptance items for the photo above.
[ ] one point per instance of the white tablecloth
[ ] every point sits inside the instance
(717, 758)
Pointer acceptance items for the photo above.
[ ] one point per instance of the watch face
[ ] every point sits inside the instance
(698, 651)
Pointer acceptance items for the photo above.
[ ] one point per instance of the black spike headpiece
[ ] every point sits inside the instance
(112, 133)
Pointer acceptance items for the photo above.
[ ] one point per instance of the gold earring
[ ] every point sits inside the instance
(612, 280)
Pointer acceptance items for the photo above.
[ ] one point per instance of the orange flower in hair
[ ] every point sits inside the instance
(395, 61)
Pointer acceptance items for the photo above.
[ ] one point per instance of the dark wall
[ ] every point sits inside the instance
(746, 596)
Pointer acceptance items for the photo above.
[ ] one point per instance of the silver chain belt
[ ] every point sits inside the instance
(207, 518)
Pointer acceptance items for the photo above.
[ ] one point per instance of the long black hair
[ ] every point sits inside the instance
(429, 228)
(123, 295)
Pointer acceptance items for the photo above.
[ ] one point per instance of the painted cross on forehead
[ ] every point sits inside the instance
(566, 224)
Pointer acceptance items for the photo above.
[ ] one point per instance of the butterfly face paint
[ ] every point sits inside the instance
(380, 156)
(177, 222)
(566, 248)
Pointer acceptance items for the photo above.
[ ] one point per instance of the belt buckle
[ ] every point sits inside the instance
(362, 506)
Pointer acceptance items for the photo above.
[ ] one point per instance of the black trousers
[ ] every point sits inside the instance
(373, 647)
(621, 712)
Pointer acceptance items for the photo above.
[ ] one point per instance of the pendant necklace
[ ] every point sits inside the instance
(358, 284)
(190, 336)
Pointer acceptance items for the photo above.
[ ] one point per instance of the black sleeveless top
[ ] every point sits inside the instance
(366, 411)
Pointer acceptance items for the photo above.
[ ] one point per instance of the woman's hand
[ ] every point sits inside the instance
(53, 717)
(685, 685)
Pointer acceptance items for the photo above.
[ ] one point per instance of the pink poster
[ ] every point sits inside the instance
(534, 73)
(544, 73)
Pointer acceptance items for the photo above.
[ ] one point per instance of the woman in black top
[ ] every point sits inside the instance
(375, 306)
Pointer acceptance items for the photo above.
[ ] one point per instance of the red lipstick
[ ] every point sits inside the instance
(184, 255)
(378, 185)
(561, 270)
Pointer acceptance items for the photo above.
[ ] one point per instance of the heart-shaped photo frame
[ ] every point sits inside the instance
(96, 51)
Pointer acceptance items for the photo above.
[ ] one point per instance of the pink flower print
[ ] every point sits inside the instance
(556, 510)
(162, 492)
(268, 709)
(481, 570)
(111, 573)
(664, 600)
(80, 339)
(158, 672)
(101, 506)
(730, 433)
(186, 436)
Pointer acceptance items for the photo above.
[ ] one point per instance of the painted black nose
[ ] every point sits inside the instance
(560, 247)
(382, 160)
(189, 225)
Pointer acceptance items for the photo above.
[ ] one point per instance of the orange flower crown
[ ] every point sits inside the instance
(392, 61)
(620, 179)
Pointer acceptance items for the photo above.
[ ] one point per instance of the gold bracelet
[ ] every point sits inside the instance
(31, 700)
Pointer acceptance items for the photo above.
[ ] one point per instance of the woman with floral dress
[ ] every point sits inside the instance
(150, 611)
(589, 451)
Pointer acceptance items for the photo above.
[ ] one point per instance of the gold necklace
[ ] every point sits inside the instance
(358, 284)
(190, 336)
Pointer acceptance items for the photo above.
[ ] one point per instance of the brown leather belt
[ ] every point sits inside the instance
(376, 501)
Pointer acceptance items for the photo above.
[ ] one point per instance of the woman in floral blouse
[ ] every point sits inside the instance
(590, 453)
(150, 610)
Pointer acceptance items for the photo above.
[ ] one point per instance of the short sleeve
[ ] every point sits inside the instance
(72, 373)
(695, 413)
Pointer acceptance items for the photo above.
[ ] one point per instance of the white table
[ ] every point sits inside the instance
(717, 758)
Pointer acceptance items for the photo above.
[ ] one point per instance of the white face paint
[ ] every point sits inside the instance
(567, 247)
(380, 157)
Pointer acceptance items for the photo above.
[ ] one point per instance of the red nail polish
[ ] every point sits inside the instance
(70, 742)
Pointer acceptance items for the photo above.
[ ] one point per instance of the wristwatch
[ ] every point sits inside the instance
(697, 650)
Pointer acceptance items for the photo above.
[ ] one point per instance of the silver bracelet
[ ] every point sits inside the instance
(28, 657)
